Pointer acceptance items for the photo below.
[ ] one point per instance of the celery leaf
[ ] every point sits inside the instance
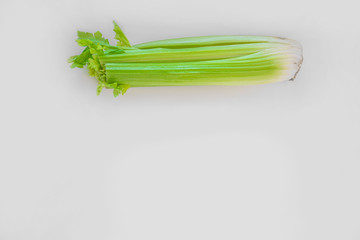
(120, 36)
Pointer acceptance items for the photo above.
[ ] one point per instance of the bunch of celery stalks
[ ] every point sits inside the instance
(190, 61)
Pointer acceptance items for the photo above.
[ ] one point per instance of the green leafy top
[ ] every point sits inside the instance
(81, 59)
(120, 36)
(96, 45)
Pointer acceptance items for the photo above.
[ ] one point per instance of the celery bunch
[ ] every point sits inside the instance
(209, 60)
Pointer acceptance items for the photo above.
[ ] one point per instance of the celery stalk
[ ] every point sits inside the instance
(209, 60)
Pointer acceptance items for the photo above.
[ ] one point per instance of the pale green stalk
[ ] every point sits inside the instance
(210, 60)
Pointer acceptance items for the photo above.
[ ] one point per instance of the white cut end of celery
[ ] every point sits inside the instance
(293, 59)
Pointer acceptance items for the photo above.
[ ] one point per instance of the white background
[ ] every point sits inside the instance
(277, 161)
